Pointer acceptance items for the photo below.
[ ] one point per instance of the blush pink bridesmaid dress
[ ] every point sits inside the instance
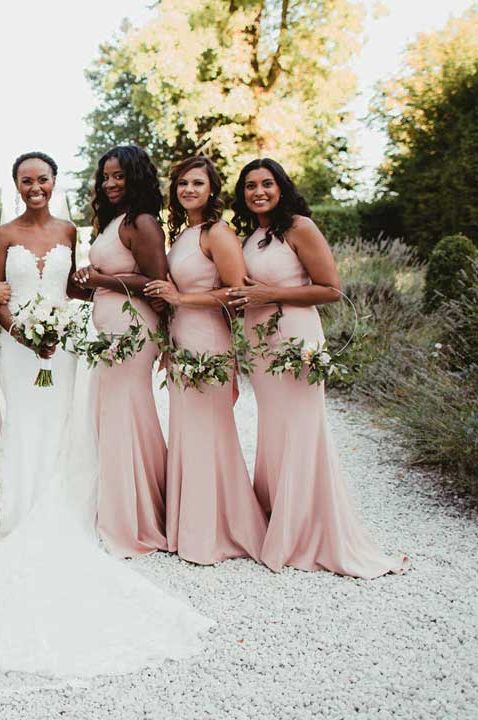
(132, 452)
(313, 524)
(212, 513)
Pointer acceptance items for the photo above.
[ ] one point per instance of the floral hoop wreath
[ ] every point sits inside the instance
(189, 369)
(315, 361)
(109, 348)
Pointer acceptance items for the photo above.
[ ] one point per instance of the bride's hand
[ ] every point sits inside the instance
(88, 277)
(5, 293)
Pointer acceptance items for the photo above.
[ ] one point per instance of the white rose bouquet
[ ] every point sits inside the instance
(42, 324)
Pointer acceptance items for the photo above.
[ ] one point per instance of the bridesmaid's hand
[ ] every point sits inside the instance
(252, 293)
(157, 304)
(5, 293)
(88, 277)
(46, 351)
(164, 289)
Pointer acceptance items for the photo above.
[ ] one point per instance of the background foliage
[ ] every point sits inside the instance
(430, 112)
(234, 79)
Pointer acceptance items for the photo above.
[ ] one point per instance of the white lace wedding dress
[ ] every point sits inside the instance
(66, 607)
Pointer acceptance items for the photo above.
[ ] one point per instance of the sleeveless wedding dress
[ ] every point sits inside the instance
(66, 607)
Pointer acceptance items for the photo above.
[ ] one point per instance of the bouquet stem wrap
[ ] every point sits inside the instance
(44, 377)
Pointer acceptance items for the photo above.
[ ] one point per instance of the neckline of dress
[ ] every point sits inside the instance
(39, 258)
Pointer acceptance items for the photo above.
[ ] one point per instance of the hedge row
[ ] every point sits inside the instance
(369, 221)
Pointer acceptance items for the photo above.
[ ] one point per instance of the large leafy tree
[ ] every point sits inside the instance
(430, 111)
(233, 79)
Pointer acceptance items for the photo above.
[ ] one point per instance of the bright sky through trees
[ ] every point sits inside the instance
(45, 46)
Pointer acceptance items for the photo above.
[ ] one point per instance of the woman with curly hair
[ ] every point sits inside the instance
(127, 252)
(211, 511)
(313, 525)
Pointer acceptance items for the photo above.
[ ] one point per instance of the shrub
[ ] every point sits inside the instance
(451, 257)
(434, 407)
(337, 222)
(385, 284)
(381, 218)
(460, 319)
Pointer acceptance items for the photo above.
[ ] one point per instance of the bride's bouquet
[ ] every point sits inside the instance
(43, 324)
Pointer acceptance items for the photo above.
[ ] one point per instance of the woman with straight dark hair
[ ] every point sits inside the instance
(127, 252)
(313, 525)
(211, 511)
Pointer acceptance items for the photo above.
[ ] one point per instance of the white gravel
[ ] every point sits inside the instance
(299, 645)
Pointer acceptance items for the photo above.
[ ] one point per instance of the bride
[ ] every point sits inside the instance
(66, 607)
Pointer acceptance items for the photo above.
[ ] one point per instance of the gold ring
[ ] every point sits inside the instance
(157, 291)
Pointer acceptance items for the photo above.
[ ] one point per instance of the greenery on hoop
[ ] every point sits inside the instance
(109, 348)
(187, 369)
(314, 360)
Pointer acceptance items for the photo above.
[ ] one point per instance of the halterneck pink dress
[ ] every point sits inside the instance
(212, 513)
(313, 524)
(132, 452)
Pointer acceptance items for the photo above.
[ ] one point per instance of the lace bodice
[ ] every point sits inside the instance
(27, 280)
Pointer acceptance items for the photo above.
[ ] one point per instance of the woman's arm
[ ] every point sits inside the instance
(6, 318)
(222, 246)
(315, 255)
(73, 290)
(146, 242)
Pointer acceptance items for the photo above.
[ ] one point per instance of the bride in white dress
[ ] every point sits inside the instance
(66, 607)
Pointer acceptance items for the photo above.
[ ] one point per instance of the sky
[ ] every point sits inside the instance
(46, 45)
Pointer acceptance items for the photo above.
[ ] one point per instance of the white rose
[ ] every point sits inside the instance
(39, 329)
(288, 365)
(325, 358)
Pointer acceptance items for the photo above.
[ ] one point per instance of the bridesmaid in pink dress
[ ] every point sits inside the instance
(313, 525)
(128, 251)
(211, 511)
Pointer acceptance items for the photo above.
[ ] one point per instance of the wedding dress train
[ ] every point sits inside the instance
(66, 607)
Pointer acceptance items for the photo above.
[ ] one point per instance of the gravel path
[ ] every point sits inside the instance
(298, 645)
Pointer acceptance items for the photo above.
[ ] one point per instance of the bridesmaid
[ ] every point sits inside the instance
(313, 525)
(211, 510)
(132, 455)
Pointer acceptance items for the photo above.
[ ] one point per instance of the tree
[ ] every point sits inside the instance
(430, 112)
(234, 79)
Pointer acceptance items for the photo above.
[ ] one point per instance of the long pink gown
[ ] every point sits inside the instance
(211, 510)
(313, 524)
(132, 452)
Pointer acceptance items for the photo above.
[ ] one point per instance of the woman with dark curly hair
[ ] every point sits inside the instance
(127, 252)
(211, 511)
(313, 525)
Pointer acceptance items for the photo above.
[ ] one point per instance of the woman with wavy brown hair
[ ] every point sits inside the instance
(212, 513)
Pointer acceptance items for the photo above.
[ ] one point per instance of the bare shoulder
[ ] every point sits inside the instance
(145, 222)
(66, 227)
(146, 231)
(304, 225)
(304, 231)
(7, 233)
(220, 232)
